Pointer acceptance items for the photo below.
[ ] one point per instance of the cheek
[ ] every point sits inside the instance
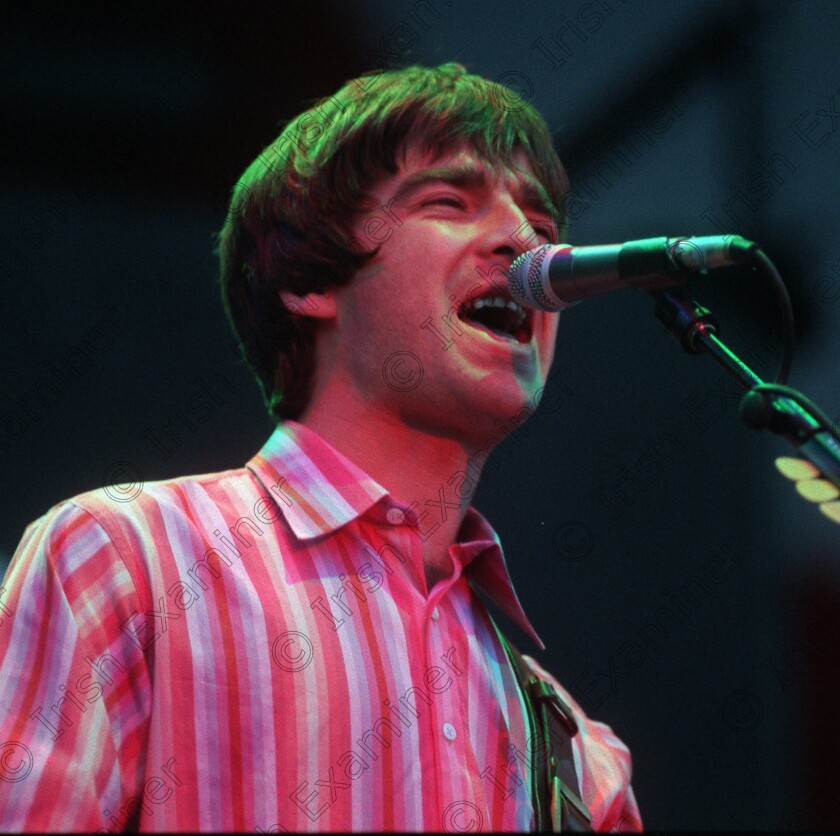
(550, 342)
(376, 316)
(552, 325)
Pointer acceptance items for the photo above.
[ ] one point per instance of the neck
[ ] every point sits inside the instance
(432, 473)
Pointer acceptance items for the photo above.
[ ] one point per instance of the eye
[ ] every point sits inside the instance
(543, 228)
(444, 200)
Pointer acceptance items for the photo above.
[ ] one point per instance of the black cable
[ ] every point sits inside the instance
(767, 266)
(805, 402)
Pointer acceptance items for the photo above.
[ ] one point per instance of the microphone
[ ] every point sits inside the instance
(557, 276)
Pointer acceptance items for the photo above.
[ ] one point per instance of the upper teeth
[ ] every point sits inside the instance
(497, 302)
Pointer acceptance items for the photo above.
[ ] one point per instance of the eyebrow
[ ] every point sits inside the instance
(529, 191)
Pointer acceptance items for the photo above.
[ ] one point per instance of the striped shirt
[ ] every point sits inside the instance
(256, 650)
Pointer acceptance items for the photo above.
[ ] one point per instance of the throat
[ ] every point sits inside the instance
(438, 566)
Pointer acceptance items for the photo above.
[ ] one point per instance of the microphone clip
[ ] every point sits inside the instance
(686, 321)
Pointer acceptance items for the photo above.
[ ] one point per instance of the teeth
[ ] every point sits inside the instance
(498, 302)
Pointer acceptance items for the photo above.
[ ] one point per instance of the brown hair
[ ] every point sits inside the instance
(288, 227)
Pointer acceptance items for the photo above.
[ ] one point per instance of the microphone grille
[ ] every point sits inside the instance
(516, 278)
(525, 279)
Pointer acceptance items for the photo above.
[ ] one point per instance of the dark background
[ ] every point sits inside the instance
(687, 595)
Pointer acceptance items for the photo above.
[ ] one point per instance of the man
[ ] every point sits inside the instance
(298, 644)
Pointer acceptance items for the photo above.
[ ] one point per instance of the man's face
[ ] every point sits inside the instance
(448, 229)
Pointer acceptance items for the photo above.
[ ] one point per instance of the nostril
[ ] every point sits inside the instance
(506, 250)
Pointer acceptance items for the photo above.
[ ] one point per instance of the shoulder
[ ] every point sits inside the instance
(603, 763)
(593, 734)
(119, 527)
(141, 507)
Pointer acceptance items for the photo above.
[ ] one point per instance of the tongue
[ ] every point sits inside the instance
(490, 330)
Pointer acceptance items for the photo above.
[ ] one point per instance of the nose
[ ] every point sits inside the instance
(508, 231)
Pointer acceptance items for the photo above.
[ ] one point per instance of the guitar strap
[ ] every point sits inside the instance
(558, 807)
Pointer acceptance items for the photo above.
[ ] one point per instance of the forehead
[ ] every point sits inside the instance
(517, 169)
(464, 166)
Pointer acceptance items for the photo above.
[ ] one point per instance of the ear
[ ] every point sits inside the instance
(317, 305)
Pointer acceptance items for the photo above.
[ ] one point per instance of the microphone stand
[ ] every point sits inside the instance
(780, 409)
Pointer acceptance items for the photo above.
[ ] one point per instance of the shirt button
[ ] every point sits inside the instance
(435, 614)
(449, 731)
(394, 516)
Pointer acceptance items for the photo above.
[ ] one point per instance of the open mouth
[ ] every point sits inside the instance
(500, 316)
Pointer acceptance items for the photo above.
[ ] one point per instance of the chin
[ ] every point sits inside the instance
(510, 396)
(507, 408)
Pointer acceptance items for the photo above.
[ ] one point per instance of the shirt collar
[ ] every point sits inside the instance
(318, 491)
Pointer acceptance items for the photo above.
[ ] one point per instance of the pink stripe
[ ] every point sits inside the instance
(300, 681)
